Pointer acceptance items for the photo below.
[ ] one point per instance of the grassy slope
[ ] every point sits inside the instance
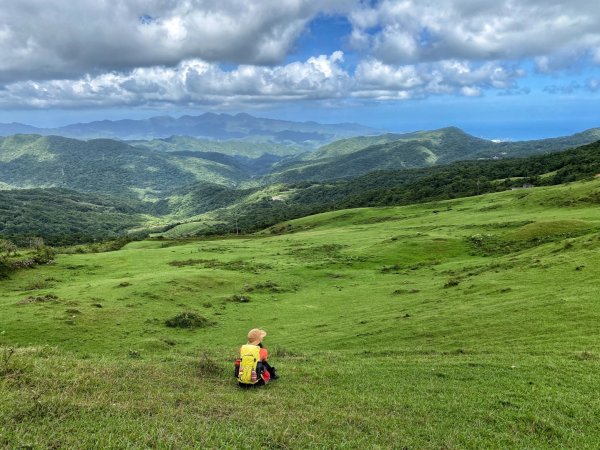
(372, 348)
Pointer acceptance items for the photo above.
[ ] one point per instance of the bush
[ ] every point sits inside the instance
(44, 255)
(239, 298)
(451, 283)
(188, 319)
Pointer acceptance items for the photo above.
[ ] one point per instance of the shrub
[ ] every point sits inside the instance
(239, 298)
(586, 356)
(188, 319)
(207, 366)
(451, 283)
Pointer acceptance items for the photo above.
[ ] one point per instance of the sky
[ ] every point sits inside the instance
(500, 69)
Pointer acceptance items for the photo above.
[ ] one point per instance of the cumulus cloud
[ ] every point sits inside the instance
(190, 82)
(232, 52)
(198, 82)
(408, 31)
(374, 78)
(51, 39)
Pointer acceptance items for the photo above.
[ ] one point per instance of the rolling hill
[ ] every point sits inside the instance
(232, 147)
(358, 156)
(196, 193)
(468, 323)
(104, 166)
(64, 217)
(277, 203)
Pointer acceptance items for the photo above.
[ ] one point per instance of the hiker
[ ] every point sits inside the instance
(252, 368)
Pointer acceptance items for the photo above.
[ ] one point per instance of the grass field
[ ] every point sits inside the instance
(470, 323)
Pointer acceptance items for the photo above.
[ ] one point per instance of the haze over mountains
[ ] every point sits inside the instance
(208, 125)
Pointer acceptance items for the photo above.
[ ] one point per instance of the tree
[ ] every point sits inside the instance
(7, 247)
(36, 243)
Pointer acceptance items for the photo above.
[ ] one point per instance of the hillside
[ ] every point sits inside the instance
(104, 166)
(193, 193)
(351, 145)
(208, 125)
(231, 147)
(65, 217)
(467, 323)
(397, 187)
(358, 156)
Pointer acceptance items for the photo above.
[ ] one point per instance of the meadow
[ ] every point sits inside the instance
(468, 323)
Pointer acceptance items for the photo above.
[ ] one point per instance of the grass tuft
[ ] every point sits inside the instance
(188, 319)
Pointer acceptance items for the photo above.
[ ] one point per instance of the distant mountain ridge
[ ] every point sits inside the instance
(361, 155)
(208, 125)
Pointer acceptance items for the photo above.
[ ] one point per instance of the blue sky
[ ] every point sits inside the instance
(500, 70)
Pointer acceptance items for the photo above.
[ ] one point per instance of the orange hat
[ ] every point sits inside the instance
(256, 335)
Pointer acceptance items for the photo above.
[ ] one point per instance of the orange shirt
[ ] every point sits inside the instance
(263, 354)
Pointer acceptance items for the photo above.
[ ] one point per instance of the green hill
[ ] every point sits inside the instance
(358, 156)
(194, 193)
(398, 187)
(468, 323)
(65, 217)
(104, 166)
(351, 145)
(198, 199)
(231, 147)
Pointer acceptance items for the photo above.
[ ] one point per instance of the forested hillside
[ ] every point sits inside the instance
(358, 156)
(232, 147)
(65, 217)
(401, 187)
(104, 166)
(195, 192)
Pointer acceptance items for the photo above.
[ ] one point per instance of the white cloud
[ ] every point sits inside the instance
(147, 52)
(197, 82)
(190, 82)
(47, 39)
(409, 31)
(376, 79)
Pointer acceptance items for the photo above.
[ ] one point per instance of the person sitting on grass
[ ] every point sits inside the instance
(252, 368)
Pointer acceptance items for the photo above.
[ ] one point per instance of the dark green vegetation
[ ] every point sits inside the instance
(65, 217)
(467, 323)
(401, 187)
(234, 147)
(358, 156)
(194, 187)
(103, 166)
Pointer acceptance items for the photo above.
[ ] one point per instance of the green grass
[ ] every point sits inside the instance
(391, 328)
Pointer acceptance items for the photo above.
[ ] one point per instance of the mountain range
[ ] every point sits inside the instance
(361, 155)
(150, 170)
(206, 185)
(209, 126)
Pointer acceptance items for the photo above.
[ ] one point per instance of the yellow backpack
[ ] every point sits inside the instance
(249, 359)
